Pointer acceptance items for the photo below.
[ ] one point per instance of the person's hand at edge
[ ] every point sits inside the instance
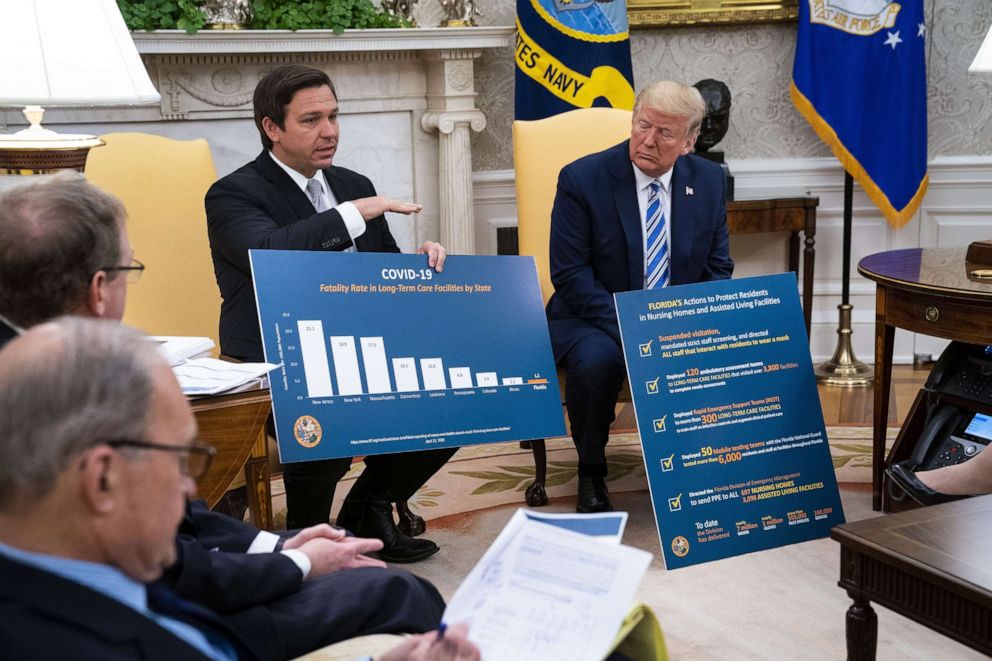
(453, 646)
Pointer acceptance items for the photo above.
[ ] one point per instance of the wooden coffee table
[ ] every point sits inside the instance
(933, 565)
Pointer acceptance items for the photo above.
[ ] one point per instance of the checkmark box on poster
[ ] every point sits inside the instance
(675, 504)
(652, 386)
(668, 464)
(659, 424)
(646, 349)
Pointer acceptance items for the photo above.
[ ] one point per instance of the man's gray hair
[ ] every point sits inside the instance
(54, 235)
(65, 387)
(672, 98)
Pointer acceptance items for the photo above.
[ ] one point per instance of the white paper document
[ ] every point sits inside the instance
(178, 348)
(545, 592)
(210, 376)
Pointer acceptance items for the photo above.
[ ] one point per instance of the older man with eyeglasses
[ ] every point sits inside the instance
(88, 520)
(64, 250)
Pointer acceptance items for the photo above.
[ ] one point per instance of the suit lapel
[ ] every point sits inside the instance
(681, 223)
(285, 187)
(629, 214)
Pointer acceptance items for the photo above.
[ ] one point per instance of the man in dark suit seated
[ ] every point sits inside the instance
(100, 453)
(292, 198)
(645, 213)
(64, 250)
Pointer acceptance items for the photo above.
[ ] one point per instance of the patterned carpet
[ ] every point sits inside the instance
(485, 476)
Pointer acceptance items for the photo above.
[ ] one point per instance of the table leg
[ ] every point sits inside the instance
(862, 631)
(884, 335)
(809, 259)
(258, 485)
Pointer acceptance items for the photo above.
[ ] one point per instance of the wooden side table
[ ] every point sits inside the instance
(235, 425)
(931, 565)
(785, 214)
(923, 290)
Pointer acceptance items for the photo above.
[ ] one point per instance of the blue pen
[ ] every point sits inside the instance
(440, 631)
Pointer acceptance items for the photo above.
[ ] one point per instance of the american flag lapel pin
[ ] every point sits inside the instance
(689, 191)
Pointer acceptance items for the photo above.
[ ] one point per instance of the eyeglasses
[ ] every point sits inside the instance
(134, 270)
(194, 460)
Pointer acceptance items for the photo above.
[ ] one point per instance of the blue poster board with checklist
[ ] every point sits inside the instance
(729, 417)
(379, 353)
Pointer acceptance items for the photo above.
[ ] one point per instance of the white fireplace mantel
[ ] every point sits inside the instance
(407, 99)
(228, 42)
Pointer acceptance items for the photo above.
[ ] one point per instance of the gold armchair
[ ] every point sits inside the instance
(162, 183)
(541, 148)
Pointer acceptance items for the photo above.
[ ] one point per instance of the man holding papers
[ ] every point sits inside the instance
(64, 250)
(292, 198)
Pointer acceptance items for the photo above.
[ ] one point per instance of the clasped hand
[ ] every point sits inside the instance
(330, 549)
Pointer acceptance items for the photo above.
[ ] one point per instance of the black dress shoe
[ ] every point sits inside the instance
(902, 474)
(376, 521)
(593, 496)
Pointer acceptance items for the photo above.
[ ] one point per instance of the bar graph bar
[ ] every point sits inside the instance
(461, 377)
(405, 372)
(315, 369)
(346, 364)
(376, 368)
(433, 371)
(375, 363)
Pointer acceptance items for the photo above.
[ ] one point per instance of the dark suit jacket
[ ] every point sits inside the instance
(259, 206)
(213, 568)
(264, 598)
(597, 246)
(45, 616)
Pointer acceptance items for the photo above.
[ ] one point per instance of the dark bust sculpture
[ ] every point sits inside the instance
(715, 124)
(717, 120)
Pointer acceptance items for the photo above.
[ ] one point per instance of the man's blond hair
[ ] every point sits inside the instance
(672, 98)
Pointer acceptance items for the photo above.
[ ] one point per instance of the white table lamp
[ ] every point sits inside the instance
(64, 52)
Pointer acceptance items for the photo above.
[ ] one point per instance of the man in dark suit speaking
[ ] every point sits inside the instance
(642, 214)
(292, 198)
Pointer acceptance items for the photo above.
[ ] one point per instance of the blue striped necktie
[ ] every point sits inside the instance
(656, 272)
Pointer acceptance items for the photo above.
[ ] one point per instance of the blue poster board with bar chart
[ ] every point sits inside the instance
(379, 353)
(729, 417)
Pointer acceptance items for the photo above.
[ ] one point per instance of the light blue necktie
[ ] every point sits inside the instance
(656, 272)
(316, 193)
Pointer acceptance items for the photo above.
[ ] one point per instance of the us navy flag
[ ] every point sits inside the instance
(572, 54)
(859, 79)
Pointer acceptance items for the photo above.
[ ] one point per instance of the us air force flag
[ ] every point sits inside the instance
(860, 80)
(572, 54)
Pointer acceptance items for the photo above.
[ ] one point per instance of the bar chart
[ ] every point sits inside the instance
(376, 368)
(382, 355)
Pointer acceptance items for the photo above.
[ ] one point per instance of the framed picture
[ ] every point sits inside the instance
(662, 13)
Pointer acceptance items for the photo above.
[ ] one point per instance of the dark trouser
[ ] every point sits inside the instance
(338, 606)
(595, 371)
(391, 477)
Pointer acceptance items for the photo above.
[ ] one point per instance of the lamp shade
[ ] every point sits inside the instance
(70, 52)
(983, 61)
